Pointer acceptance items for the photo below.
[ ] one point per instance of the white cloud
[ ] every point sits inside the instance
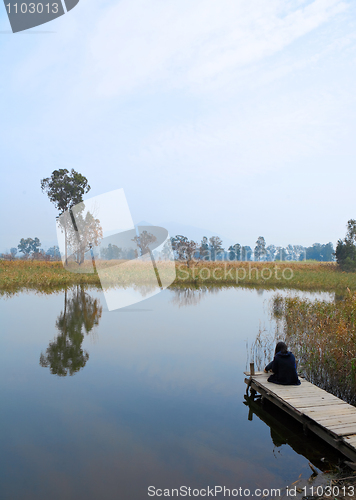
(185, 44)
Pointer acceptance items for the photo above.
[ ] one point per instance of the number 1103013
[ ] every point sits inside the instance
(32, 8)
(329, 491)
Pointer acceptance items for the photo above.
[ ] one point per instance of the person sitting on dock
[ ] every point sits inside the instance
(283, 367)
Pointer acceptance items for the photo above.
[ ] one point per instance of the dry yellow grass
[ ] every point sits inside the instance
(299, 275)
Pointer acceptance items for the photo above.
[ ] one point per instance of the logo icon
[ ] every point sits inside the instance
(26, 14)
(133, 263)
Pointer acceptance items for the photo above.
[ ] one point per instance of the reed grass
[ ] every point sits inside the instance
(269, 275)
(322, 335)
(313, 276)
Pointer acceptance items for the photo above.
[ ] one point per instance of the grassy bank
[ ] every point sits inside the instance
(302, 275)
(18, 274)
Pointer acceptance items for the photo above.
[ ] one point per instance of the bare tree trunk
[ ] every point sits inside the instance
(155, 269)
(65, 245)
(93, 258)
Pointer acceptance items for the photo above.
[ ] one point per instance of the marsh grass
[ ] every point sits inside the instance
(40, 274)
(268, 275)
(323, 276)
(322, 335)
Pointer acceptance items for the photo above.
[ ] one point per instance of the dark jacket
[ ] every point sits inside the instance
(284, 369)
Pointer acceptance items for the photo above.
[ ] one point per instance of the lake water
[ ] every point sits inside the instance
(149, 395)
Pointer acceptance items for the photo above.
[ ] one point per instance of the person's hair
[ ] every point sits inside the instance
(281, 347)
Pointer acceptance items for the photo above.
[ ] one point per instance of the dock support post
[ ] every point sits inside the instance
(252, 369)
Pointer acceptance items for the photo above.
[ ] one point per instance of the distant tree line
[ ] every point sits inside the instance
(31, 248)
(212, 250)
(209, 249)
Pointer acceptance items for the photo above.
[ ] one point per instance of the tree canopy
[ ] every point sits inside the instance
(65, 189)
(29, 245)
(260, 248)
(346, 248)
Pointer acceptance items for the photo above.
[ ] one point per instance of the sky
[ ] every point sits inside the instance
(238, 117)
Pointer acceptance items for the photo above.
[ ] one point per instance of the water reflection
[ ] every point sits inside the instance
(65, 355)
(191, 296)
(284, 430)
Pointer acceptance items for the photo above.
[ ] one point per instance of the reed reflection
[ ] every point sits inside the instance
(81, 315)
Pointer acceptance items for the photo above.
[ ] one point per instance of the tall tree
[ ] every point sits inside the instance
(328, 252)
(29, 245)
(179, 244)
(271, 252)
(260, 248)
(215, 247)
(235, 252)
(321, 252)
(167, 250)
(204, 249)
(13, 252)
(111, 252)
(281, 253)
(144, 241)
(351, 231)
(65, 189)
(89, 235)
(246, 253)
(190, 250)
(346, 249)
(54, 253)
(184, 248)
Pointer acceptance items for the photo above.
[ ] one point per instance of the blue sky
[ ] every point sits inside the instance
(235, 116)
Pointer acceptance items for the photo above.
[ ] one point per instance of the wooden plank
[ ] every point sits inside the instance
(318, 404)
(302, 387)
(334, 405)
(312, 398)
(343, 430)
(335, 409)
(326, 415)
(341, 420)
(351, 439)
(331, 419)
(287, 391)
(307, 393)
(341, 409)
(300, 394)
(257, 374)
(314, 402)
(299, 388)
(291, 390)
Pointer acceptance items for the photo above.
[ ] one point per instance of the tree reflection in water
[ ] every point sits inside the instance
(191, 296)
(65, 355)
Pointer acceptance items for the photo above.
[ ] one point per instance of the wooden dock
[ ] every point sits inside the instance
(325, 415)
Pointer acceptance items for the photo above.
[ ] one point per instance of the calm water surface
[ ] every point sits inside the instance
(102, 405)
